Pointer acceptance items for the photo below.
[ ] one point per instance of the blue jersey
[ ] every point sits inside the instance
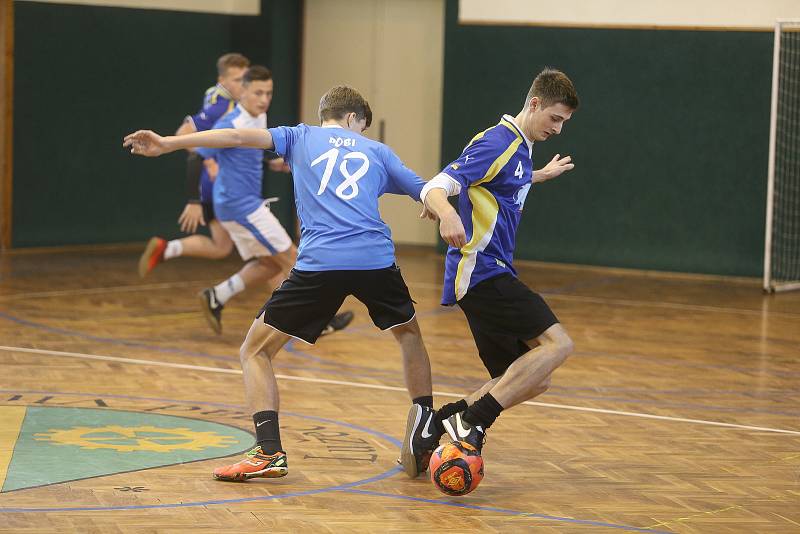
(338, 177)
(237, 189)
(495, 171)
(216, 103)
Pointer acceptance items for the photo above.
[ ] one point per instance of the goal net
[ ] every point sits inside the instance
(782, 241)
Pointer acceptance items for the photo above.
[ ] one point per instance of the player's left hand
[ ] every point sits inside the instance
(556, 167)
(192, 216)
(145, 143)
(278, 165)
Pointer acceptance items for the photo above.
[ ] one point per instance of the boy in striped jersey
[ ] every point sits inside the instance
(519, 338)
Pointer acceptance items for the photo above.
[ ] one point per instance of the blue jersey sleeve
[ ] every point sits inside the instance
(401, 179)
(213, 110)
(475, 161)
(284, 137)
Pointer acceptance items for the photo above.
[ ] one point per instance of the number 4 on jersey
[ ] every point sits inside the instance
(350, 179)
(518, 172)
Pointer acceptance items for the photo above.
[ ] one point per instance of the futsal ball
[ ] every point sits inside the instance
(456, 468)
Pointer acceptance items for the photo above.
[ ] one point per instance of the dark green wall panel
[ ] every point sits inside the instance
(85, 76)
(670, 143)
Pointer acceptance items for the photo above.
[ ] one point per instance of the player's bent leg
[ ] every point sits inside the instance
(221, 238)
(200, 246)
(259, 271)
(524, 378)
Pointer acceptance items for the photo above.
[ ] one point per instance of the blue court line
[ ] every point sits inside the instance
(676, 362)
(457, 504)
(347, 487)
(752, 393)
(376, 433)
(376, 478)
(289, 347)
(387, 437)
(668, 404)
(115, 341)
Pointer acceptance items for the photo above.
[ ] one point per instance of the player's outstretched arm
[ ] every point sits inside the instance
(150, 144)
(556, 167)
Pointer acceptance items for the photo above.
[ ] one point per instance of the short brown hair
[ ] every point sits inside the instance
(231, 60)
(554, 87)
(341, 100)
(256, 73)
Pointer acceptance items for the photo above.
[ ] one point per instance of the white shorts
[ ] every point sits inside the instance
(259, 234)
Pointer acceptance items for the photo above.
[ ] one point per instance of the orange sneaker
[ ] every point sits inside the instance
(153, 255)
(255, 464)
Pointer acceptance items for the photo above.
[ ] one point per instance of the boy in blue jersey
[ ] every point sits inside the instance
(234, 209)
(345, 249)
(200, 175)
(519, 339)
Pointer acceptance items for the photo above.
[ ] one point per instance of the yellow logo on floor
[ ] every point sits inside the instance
(135, 438)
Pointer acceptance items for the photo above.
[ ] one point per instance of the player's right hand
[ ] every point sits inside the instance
(192, 216)
(452, 230)
(145, 143)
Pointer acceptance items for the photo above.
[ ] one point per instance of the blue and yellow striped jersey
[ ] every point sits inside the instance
(495, 171)
(216, 103)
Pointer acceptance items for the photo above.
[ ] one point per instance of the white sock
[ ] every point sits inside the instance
(173, 250)
(229, 288)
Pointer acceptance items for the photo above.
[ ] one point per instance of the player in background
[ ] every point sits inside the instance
(345, 249)
(269, 266)
(200, 175)
(519, 339)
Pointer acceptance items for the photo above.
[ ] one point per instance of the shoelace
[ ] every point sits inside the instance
(258, 453)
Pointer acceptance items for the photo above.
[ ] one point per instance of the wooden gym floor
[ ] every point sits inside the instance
(679, 411)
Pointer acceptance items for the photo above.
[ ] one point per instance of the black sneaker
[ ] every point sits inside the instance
(212, 309)
(420, 440)
(460, 430)
(339, 322)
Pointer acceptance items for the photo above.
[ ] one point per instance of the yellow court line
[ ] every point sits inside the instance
(11, 418)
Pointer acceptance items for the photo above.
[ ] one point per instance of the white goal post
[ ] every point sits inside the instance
(782, 234)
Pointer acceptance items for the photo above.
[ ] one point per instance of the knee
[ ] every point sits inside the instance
(248, 352)
(222, 251)
(407, 331)
(565, 346)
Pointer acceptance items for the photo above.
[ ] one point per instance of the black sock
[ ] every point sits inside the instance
(426, 401)
(446, 411)
(483, 412)
(268, 434)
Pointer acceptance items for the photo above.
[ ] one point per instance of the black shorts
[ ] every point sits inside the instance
(502, 313)
(305, 302)
(208, 211)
